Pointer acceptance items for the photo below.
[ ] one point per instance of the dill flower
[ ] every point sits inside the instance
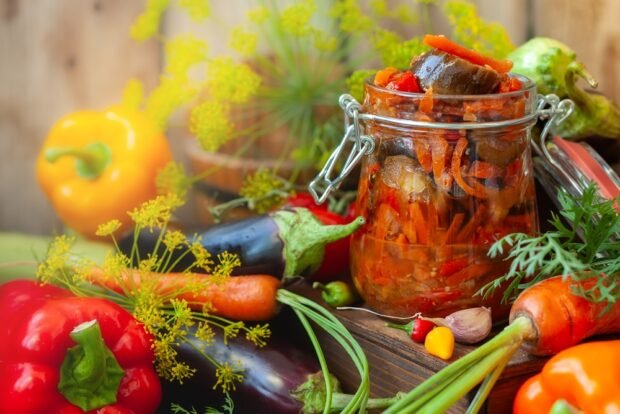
(263, 190)
(56, 260)
(227, 262)
(147, 23)
(109, 228)
(174, 239)
(243, 41)
(180, 371)
(182, 314)
(198, 10)
(258, 14)
(202, 256)
(173, 179)
(227, 377)
(150, 264)
(133, 94)
(170, 94)
(355, 82)
(258, 335)
(295, 18)
(472, 31)
(232, 330)
(350, 16)
(324, 42)
(183, 52)
(400, 12)
(399, 55)
(205, 334)
(157, 212)
(115, 264)
(210, 124)
(228, 81)
(383, 41)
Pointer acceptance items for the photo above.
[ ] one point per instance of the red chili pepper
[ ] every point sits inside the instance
(417, 329)
(65, 354)
(405, 82)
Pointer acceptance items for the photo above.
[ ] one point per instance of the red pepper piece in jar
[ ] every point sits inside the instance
(405, 82)
(417, 329)
(50, 339)
(451, 266)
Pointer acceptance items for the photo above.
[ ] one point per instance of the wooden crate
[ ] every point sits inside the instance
(399, 364)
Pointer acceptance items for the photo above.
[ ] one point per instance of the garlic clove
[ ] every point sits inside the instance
(469, 326)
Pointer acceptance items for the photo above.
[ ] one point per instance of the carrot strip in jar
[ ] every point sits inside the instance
(415, 212)
(467, 231)
(423, 153)
(439, 148)
(455, 226)
(476, 189)
(426, 104)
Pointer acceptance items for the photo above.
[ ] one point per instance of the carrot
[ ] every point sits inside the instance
(248, 298)
(446, 45)
(545, 319)
(383, 77)
(561, 319)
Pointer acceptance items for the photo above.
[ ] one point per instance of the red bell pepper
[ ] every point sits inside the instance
(335, 264)
(61, 353)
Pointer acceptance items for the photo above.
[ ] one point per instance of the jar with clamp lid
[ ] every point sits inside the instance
(441, 179)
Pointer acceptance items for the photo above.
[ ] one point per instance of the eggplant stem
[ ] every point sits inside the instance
(321, 356)
(339, 332)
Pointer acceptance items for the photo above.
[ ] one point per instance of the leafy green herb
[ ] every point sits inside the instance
(227, 408)
(587, 249)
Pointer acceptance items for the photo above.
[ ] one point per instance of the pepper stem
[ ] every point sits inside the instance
(407, 327)
(90, 376)
(90, 161)
(305, 237)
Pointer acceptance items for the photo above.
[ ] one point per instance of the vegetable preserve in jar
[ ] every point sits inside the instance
(448, 176)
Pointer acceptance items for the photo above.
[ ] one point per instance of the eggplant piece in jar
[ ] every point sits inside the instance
(447, 74)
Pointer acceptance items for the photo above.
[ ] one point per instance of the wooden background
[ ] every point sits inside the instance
(57, 56)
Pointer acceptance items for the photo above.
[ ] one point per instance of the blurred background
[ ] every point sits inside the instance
(58, 56)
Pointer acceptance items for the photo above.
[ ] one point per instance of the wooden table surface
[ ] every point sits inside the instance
(399, 364)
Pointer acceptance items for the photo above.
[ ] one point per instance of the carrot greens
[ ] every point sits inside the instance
(585, 248)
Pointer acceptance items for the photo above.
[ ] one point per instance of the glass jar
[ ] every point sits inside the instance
(442, 178)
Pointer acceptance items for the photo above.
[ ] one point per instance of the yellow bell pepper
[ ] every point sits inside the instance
(96, 166)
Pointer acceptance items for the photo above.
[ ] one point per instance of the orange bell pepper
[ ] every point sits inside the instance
(96, 166)
(586, 376)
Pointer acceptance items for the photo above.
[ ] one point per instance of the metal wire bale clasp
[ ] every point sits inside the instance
(554, 110)
(360, 145)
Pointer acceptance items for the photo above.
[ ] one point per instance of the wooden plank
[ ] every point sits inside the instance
(58, 56)
(397, 364)
(591, 29)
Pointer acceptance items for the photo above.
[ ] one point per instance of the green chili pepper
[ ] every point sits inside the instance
(337, 293)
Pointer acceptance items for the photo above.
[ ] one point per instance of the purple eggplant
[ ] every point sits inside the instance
(447, 74)
(286, 243)
(271, 373)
